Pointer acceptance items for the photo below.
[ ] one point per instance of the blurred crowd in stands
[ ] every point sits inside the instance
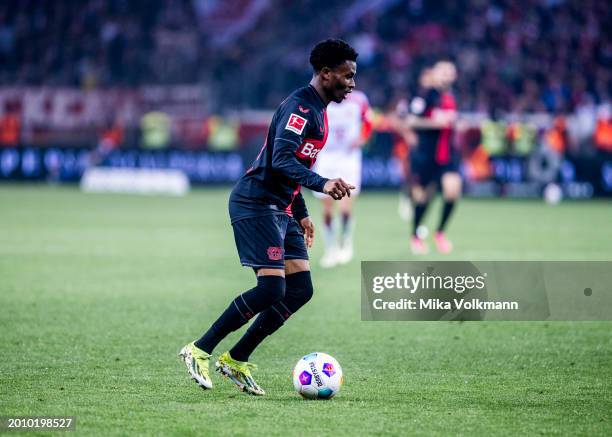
(513, 56)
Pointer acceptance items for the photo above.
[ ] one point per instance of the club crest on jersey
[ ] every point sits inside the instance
(275, 253)
(296, 124)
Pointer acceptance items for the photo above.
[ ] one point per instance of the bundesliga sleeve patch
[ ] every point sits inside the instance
(296, 124)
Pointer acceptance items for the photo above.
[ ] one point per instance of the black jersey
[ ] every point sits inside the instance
(272, 184)
(435, 143)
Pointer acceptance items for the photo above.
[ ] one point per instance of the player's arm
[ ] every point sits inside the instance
(416, 122)
(291, 128)
(290, 134)
(285, 162)
(439, 119)
(300, 213)
(298, 207)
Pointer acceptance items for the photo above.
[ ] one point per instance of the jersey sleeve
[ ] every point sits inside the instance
(293, 122)
(298, 207)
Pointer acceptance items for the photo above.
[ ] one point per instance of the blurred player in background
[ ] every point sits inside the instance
(272, 229)
(350, 126)
(409, 141)
(434, 162)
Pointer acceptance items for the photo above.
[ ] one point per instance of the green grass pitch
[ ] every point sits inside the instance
(99, 292)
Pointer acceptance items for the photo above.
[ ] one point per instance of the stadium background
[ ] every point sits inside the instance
(98, 292)
(191, 84)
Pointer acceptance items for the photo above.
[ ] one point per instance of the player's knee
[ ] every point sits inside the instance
(300, 286)
(452, 193)
(451, 186)
(307, 291)
(452, 196)
(272, 287)
(419, 195)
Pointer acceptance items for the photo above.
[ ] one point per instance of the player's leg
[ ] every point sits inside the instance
(451, 191)
(260, 245)
(326, 166)
(350, 171)
(269, 289)
(330, 239)
(298, 292)
(404, 208)
(421, 178)
(347, 229)
(234, 365)
(420, 201)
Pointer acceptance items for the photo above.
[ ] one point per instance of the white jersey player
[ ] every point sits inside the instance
(350, 126)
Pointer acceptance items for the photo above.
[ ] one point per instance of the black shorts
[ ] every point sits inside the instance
(267, 241)
(424, 169)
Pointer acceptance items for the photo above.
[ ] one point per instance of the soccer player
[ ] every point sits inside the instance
(350, 125)
(409, 140)
(434, 161)
(270, 221)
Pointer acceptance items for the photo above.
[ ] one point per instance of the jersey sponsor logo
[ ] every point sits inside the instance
(308, 150)
(275, 253)
(304, 110)
(296, 124)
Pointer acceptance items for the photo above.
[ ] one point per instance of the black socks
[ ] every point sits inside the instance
(449, 205)
(269, 289)
(419, 212)
(299, 291)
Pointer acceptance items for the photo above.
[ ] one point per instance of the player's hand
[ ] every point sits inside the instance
(337, 188)
(309, 230)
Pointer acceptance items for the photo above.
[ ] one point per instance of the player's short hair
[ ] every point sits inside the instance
(331, 53)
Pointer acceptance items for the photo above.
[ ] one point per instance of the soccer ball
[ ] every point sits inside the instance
(317, 376)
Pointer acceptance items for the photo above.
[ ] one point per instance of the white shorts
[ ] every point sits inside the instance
(331, 164)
